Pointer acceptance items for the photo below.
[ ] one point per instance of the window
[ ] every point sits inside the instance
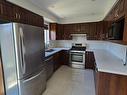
(46, 36)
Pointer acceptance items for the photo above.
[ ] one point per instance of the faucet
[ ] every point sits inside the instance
(125, 63)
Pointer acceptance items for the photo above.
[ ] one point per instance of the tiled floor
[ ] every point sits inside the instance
(68, 81)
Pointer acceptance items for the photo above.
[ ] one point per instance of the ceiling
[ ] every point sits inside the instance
(74, 11)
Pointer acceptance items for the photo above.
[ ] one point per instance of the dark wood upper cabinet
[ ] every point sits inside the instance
(92, 33)
(59, 32)
(6, 11)
(2, 0)
(27, 17)
(122, 6)
(13, 13)
(117, 11)
(84, 27)
(1, 9)
(64, 31)
(20, 15)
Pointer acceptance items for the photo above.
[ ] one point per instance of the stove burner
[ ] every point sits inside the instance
(78, 48)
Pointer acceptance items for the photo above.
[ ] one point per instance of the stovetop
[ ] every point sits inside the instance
(77, 48)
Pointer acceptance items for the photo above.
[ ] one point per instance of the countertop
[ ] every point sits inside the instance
(107, 62)
(48, 54)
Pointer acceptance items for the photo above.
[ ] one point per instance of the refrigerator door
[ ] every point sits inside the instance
(34, 85)
(29, 45)
(8, 59)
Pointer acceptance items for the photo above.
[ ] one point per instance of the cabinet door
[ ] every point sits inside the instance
(90, 60)
(56, 58)
(1, 8)
(36, 20)
(6, 11)
(84, 28)
(64, 57)
(49, 67)
(1, 80)
(121, 11)
(20, 15)
(2, 0)
(59, 32)
(92, 32)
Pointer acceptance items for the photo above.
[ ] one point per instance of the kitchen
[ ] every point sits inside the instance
(50, 48)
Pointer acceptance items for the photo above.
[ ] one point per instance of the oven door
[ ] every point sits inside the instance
(77, 58)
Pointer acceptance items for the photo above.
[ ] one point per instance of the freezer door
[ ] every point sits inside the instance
(34, 85)
(29, 45)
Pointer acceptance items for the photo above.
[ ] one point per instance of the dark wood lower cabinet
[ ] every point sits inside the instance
(89, 60)
(64, 60)
(56, 59)
(1, 80)
(61, 58)
(49, 67)
(110, 84)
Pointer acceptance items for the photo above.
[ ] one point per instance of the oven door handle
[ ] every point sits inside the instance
(74, 53)
(81, 52)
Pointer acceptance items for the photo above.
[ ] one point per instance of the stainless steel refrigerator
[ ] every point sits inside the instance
(22, 48)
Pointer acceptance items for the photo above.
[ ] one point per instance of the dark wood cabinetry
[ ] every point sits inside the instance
(6, 11)
(110, 84)
(64, 31)
(64, 60)
(49, 67)
(11, 12)
(117, 11)
(1, 80)
(59, 32)
(125, 32)
(122, 6)
(58, 59)
(89, 60)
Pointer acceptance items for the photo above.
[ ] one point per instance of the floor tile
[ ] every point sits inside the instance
(68, 81)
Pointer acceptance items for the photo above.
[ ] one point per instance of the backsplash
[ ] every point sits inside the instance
(68, 43)
(116, 49)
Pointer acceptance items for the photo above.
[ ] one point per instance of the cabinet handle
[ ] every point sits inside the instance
(19, 16)
(16, 16)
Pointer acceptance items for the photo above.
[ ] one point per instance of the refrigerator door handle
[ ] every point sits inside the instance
(33, 77)
(23, 67)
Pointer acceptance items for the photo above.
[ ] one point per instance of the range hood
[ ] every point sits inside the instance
(79, 37)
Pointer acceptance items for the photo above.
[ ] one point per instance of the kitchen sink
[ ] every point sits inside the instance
(49, 50)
